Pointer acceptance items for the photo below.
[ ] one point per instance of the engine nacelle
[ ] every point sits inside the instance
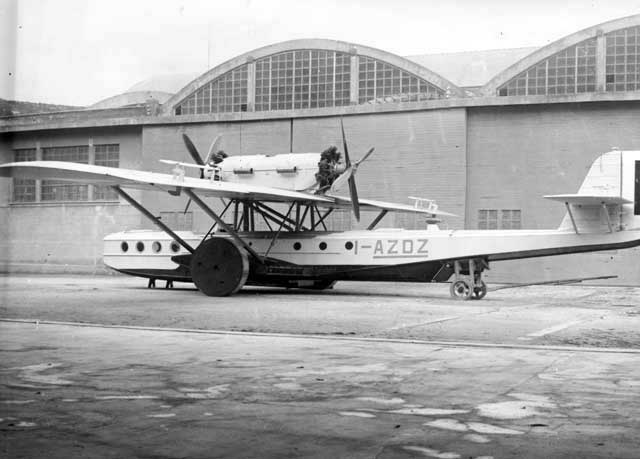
(291, 171)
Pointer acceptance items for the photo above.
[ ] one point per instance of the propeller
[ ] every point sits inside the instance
(348, 175)
(193, 151)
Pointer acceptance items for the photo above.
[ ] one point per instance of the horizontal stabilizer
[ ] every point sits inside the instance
(588, 200)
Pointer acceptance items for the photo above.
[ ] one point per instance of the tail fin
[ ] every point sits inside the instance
(609, 198)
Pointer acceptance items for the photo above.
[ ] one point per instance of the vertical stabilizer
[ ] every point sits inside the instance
(608, 199)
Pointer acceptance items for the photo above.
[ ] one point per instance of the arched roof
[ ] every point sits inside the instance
(545, 52)
(306, 44)
(131, 98)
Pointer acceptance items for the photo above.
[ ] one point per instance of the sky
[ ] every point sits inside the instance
(77, 52)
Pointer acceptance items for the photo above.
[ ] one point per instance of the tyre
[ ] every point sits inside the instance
(460, 290)
(219, 267)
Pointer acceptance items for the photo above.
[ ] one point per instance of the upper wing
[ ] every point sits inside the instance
(127, 178)
(102, 175)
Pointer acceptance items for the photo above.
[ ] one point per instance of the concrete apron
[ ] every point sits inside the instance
(92, 392)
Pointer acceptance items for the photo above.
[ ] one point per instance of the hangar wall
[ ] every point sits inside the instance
(517, 154)
(64, 237)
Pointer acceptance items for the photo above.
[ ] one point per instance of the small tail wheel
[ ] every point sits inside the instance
(479, 291)
(460, 290)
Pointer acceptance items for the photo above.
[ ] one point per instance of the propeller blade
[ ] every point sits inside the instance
(193, 151)
(347, 161)
(341, 180)
(353, 192)
(364, 158)
(349, 175)
(215, 146)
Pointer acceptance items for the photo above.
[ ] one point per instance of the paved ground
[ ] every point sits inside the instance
(534, 372)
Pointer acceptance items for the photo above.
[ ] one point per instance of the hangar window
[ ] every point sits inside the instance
(302, 79)
(227, 93)
(24, 190)
(510, 219)
(487, 219)
(63, 191)
(623, 60)
(380, 82)
(570, 71)
(56, 190)
(106, 155)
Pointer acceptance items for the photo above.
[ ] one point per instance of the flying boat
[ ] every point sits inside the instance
(292, 194)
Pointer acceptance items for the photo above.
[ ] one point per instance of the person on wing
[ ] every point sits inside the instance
(327, 172)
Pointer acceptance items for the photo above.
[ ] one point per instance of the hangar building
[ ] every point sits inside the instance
(485, 134)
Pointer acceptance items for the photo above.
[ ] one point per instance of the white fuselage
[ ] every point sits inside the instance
(383, 247)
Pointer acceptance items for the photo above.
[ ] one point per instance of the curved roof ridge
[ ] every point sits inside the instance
(312, 43)
(549, 50)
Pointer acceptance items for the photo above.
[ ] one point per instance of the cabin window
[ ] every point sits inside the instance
(297, 246)
(124, 246)
(348, 245)
(323, 246)
(156, 246)
(175, 247)
(140, 246)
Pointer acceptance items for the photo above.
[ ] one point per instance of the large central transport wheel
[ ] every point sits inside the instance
(219, 267)
(460, 290)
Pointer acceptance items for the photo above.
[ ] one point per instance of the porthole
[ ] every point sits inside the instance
(323, 246)
(156, 247)
(124, 246)
(140, 246)
(175, 247)
(297, 246)
(348, 245)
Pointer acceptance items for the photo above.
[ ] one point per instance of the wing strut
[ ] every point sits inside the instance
(573, 220)
(377, 219)
(152, 217)
(222, 224)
